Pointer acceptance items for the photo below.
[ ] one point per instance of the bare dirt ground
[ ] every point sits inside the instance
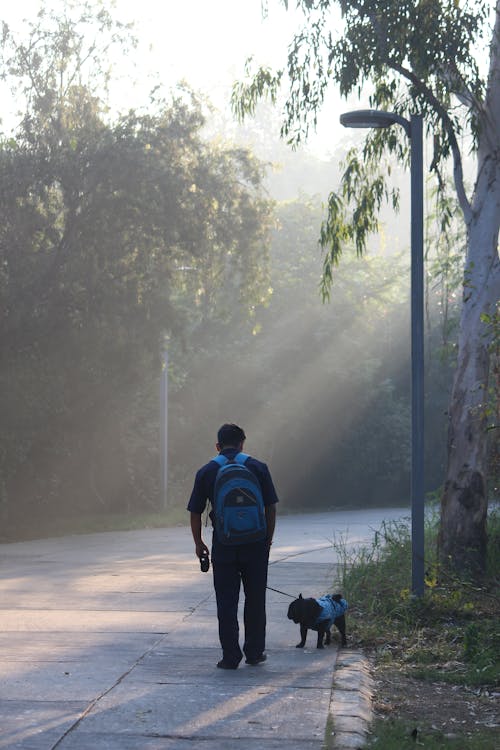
(454, 710)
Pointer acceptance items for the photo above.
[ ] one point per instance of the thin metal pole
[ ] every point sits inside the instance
(413, 128)
(164, 432)
(417, 355)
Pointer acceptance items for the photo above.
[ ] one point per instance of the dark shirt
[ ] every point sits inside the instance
(204, 482)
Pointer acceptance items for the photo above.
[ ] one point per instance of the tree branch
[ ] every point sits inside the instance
(441, 112)
(458, 174)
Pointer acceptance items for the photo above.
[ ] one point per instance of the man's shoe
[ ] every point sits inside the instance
(258, 660)
(225, 665)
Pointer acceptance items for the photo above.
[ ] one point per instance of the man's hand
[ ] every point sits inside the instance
(202, 550)
(199, 545)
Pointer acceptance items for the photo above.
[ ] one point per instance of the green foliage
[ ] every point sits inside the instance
(396, 734)
(418, 57)
(445, 252)
(264, 84)
(428, 45)
(60, 65)
(119, 236)
(367, 192)
(98, 220)
(451, 635)
(304, 374)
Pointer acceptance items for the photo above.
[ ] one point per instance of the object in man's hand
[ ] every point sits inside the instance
(204, 563)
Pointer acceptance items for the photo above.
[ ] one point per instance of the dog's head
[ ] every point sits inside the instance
(340, 600)
(304, 611)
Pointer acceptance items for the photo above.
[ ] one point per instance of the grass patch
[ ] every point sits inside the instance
(329, 733)
(399, 735)
(428, 652)
(453, 630)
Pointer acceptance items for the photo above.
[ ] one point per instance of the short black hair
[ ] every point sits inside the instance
(230, 435)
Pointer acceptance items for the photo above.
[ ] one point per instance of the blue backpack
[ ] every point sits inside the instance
(239, 516)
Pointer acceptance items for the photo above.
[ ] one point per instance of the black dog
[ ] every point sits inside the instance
(320, 615)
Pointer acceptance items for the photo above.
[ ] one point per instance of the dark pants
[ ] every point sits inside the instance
(245, 564)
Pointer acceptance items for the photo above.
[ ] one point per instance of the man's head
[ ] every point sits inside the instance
(230, 436)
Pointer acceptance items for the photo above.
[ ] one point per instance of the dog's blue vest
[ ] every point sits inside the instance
(330, 610)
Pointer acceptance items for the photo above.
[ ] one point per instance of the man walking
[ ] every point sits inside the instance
(243, 513)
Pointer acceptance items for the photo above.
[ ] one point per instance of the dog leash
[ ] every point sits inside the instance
(280, 592)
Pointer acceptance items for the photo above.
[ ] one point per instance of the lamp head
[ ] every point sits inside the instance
(372, 118)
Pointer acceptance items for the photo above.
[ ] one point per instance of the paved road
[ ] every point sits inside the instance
(110, 641)
(309, 537)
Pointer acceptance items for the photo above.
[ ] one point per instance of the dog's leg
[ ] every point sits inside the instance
(328, 639)
(340, 625)
(303, 636)
(321, 633)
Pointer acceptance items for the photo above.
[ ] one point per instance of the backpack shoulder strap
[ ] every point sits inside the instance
(241, 458)
(220, 459)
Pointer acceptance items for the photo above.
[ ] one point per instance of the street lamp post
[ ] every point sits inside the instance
(370, 118)
(164, 431)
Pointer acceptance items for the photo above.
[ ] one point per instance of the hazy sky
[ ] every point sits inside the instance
(208, 42)
(204, 42)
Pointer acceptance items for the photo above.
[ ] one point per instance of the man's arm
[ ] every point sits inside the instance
(200, 546)
(270, 511)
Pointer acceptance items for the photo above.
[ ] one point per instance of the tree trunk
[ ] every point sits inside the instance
(464, 504)
(462, 536)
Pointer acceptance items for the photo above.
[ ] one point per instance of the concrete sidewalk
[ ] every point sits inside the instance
(110, 641)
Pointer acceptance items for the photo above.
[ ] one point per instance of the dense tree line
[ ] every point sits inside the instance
(101, 220)
(123, 236)
(322, 390)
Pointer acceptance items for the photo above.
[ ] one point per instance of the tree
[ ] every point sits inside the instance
(416, 56)
(99, 215)
(290, 377)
